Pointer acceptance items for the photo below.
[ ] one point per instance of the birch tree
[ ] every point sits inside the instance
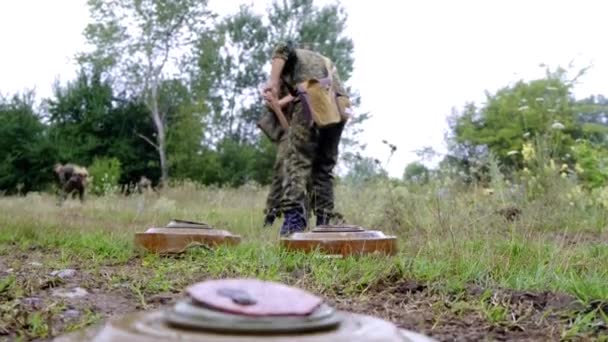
(141, 43)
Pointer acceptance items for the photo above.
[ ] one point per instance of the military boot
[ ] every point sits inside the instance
(295, 221)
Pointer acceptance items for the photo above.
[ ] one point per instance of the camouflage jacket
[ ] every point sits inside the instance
(302, 65)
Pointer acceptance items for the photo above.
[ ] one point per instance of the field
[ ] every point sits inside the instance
(465, 270)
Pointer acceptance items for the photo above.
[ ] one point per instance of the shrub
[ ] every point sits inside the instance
(104, 173)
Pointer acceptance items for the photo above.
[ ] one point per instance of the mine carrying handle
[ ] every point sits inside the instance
(237, 296)
(176, 223)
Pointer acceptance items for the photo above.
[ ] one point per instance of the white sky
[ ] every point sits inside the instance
(414, 60)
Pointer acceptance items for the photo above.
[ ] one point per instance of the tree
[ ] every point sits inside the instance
(365, 169)
(26, 156)
(538, 126)
(241, 40)
(185, 128)
(77, 115)
(232, 63)
(592, 113)
(523, 112)
(416, 172)
(137, 40)
(86, 120)
(319, 28)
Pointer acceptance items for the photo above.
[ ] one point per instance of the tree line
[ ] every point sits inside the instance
(167, 90)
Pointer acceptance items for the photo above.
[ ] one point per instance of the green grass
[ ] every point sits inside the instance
(449, 242)
(490, 252)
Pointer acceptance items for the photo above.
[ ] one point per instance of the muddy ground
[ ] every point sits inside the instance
(474, 314)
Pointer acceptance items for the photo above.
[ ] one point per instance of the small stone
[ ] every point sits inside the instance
(76, 292)
(64, 274)
(32, 301)
(10, 271)
(35, 264)
(71, 314)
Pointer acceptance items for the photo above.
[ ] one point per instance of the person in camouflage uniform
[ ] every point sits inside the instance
(275, 194)
(273, 201)
(311, 151)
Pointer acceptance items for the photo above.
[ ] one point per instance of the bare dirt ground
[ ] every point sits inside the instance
(414, 306)
(86, 297)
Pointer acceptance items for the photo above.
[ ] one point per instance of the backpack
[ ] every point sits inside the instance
(321, 102)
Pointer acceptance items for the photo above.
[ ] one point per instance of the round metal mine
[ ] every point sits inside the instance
(180, 235)
(152, 326)
(254, 297)
(341, 240)
(188, 315)
(290, 315)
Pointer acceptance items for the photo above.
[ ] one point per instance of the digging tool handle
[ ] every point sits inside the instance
(279, 113)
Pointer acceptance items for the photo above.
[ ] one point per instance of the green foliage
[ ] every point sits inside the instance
(185, 130)
(86, 120)
(238, 163)
(591, 163)
(104, 173)
(77, 114)
(318, 28)
(535, 129)
(364, 170)
(26, 155)
(416, 172)
(200, 121)
(525, 110)
(593, 114)
(231, 62)
(136, 42)
(241, 40)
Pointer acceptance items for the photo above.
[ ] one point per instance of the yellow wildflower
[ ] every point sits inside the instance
(528, 152)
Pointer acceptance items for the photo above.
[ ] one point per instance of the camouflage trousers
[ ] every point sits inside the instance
(310, 157)
(273, 201)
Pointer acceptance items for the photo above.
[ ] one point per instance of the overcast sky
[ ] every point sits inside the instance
(414, 60)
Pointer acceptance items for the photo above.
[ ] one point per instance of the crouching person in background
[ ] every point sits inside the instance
(72, 179)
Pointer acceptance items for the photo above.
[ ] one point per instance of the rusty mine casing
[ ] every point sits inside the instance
(180, 235)
(341, 240)
(246, 310)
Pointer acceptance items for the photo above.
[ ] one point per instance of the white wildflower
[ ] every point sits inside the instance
(558, 126)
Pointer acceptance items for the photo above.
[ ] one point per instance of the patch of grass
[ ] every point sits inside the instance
(585, 323)
(448, 238)
(450, 241)
(88, 318)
